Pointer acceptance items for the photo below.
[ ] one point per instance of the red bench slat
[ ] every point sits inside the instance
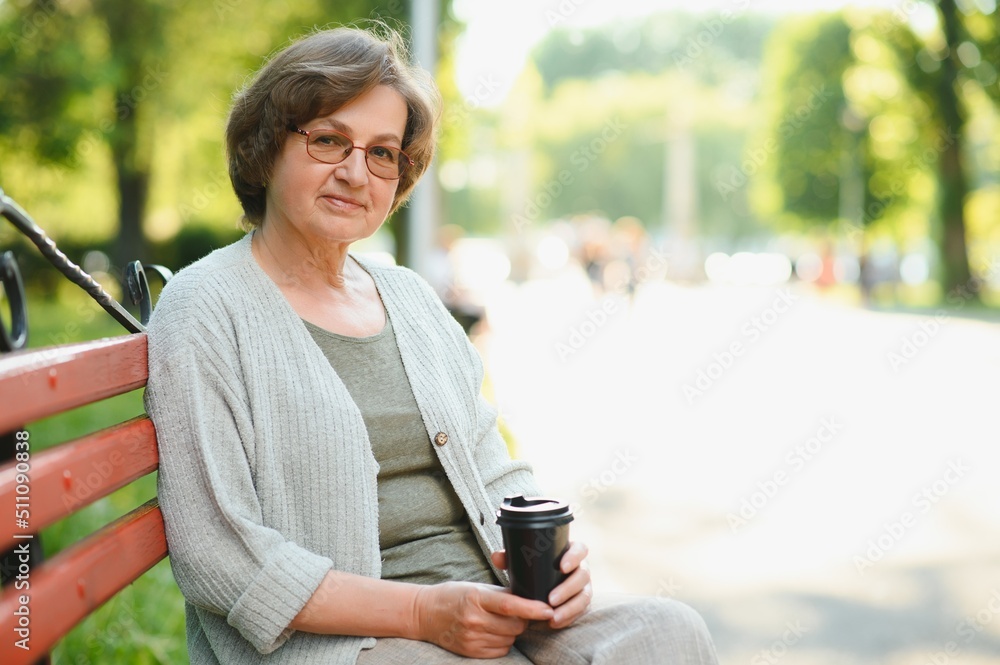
(67, 588)
(68, 477)
(41, 382)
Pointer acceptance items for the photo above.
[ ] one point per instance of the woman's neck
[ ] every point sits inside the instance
(292, 263)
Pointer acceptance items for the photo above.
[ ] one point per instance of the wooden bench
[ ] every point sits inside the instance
(45, 601)
(41, 601)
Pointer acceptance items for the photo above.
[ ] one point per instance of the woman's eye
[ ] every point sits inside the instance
(327, 141)
(382, 153)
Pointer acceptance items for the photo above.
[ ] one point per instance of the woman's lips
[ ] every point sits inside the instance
(343, 202)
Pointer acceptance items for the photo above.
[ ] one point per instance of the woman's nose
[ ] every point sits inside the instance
(354, 169)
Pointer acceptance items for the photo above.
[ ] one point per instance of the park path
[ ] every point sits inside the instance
(819, 480)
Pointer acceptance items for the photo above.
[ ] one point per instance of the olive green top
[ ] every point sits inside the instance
(424, 533)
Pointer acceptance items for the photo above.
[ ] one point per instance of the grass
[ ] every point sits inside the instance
(144, 624)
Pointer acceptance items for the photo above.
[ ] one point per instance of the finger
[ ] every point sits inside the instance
(504, 603)
(570, 587)
(497, 651)
(503, 628)
(499, 559)
(573, 557)
(572, 609)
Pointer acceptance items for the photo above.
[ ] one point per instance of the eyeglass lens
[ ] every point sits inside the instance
(333, 148)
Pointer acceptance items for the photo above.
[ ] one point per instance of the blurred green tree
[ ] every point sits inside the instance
(963, 37)
(890, 128)
(804, 101)
(586, 129)
(128, 77)
(707, 46)
(84, 73)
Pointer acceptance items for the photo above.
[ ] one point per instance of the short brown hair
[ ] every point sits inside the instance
(314, 77)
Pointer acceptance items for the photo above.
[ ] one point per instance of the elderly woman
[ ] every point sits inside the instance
(328, 470)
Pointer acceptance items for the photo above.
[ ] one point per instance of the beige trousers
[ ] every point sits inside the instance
(617, 630)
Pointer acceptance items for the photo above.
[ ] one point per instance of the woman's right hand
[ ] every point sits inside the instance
(474, 620)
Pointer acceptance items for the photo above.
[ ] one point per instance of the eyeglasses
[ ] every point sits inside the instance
(332, 147)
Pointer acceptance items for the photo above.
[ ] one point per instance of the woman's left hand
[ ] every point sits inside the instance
(570, 599)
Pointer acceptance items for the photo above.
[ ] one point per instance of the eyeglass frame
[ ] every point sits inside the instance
(409, 160)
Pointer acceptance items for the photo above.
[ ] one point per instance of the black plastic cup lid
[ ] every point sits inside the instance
(533, 512)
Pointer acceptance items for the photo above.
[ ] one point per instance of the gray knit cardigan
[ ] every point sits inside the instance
(267, 479)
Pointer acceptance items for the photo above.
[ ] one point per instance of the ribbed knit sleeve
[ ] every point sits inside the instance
(223, 557)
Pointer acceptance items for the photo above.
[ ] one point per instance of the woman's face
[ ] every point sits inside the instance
(337, 202)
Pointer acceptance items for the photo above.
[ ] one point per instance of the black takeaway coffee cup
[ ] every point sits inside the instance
(535, 536)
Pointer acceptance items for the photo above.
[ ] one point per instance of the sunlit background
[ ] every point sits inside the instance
(733, 269)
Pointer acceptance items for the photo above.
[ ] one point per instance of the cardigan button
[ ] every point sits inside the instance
(440, 438)
(482, 519)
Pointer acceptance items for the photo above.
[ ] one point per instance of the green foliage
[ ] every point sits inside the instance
(980, 53)
(866, 155)
(708, 47)
(191, 243)
(106, 101)
(587, 125)
(802, 144)
(42, 108)
(892, 156)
